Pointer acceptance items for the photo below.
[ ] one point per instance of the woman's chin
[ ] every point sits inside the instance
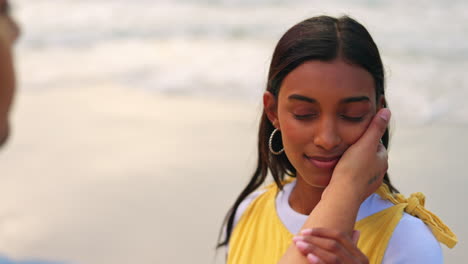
(318, 180)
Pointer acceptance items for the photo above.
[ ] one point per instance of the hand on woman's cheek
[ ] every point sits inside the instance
(363, 165)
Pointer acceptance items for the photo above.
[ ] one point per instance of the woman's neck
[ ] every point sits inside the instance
(304, 197)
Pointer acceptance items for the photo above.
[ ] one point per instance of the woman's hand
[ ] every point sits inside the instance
(362, 167)
(328, 246)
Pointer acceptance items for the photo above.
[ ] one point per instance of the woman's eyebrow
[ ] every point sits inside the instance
(354, 99)
(342, 101)
(302, 98)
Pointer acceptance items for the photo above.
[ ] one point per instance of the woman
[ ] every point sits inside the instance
(323, 137)
(9, 32)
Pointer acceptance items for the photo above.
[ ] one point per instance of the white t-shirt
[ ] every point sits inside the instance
(411, 242)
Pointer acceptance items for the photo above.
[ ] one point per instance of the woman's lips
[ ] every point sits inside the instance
(324, 162)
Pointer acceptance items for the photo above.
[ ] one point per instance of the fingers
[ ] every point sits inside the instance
(313, 259)
(322, 250)
(340, 237)
(321, 245)
(382, 155)
(381, 149)
(377, 127)
(376, 179)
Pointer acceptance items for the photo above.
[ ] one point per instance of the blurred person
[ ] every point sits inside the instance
(323, 136)
(9, 33)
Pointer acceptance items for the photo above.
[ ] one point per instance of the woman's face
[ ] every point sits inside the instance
(9, 32)
(321, 110)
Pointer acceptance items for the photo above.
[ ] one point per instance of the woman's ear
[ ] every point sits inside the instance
(270, 106)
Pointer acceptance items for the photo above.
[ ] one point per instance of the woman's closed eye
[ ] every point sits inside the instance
(354, 114)
(302, 115)
(352, 118)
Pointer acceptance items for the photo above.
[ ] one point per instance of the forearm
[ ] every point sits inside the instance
(336, 210)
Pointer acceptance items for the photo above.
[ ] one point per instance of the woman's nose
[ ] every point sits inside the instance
(326, 135)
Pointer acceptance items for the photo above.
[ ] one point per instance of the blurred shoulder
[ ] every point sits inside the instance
(245, 204)
(413, 242)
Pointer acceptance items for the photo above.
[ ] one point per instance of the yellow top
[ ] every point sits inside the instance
(261, 237)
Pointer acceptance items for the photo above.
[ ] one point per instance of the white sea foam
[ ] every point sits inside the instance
(222, 48)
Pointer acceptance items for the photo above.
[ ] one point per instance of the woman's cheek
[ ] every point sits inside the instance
(351, 133)
(294, 134)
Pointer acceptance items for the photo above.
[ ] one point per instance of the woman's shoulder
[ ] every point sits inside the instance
(245, 204)
(408, 225)
(254, 195)
(412, 241)
(373, 204)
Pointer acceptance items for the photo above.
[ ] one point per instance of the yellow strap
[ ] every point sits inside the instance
(376, 231)
(415, 206)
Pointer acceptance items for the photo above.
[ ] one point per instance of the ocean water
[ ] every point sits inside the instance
(222, 48)
(4, 260)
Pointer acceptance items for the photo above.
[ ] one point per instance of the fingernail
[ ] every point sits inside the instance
(307, 231)
(312, 258)
(385, 114)
(301, 245)
(298, 238)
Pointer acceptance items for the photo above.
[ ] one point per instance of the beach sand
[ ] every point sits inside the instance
(109, 174)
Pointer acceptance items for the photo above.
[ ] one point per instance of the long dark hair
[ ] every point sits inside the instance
(321, 38)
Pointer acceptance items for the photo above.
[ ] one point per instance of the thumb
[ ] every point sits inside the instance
(377, 127)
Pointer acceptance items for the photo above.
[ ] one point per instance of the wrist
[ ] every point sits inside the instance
(345, 193)
(340, 203)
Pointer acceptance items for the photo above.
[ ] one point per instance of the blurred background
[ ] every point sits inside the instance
(135, 121)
